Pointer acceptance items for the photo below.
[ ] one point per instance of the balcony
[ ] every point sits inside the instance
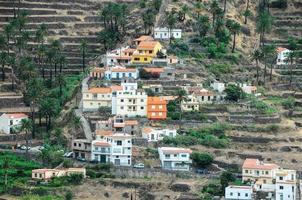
(103, 151)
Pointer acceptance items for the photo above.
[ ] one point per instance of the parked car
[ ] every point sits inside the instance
(139, 166)
(68, 154)
(81, 159)
(23, 147)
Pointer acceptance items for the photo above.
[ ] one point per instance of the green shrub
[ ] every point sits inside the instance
(234, 93)
(219, 69)
(201, 159)
(288, 103)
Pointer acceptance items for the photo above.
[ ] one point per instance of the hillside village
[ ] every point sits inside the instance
(150, 99)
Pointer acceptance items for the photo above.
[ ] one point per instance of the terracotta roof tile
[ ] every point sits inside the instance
(131, 122)
(147, 130)
(100, 90)
(256, 164)
(102, 143)
(144, 38)
(121, 69)
(147, 45)
(17, 115)
(103, 133)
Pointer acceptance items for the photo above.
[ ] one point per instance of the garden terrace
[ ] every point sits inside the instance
(69, 21)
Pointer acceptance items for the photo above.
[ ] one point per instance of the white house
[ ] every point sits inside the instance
(121, 55)
(9, 123)
(218, 86)
(233, 192)
(129, 84)
(286, 184)
(282, 58)
(119, 72)
(115, 148)
(129, 103)
(173, 158)
(154, 135)
(166, 33)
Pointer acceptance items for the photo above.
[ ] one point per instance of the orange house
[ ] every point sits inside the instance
(156, 108)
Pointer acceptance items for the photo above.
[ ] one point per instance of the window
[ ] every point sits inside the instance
(246, 194)
(231, 193)
(153, 114)
(175, 155)
(119, 143)
(281, 187)
(74, 144)
(281, 178)
(238, 194)
(145, 59)
(142, 100)
(96, 148)
(160, 106)
(80, 145)
(128, 162)
(153, 107)
(95, 95)
(87, 95)
(183, 155)
(122, 107)
(136, 59)
(142, 107)
(160, 113)
(246, 171)
(122, 100)
(36, 175)
(167, 155)
(266, 172)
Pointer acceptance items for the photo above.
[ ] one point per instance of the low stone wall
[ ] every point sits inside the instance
(248, 119)
(141, 173)
(140, 142)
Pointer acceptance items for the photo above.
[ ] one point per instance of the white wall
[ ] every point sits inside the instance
(164, 33)
(237, 192)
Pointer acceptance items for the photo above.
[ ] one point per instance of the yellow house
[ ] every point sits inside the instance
(145, 52)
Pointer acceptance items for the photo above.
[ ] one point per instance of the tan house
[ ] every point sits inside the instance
(96, 97)
(47, 174)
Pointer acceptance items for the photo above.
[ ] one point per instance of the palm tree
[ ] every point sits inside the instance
(214, 9)
(12, 63)
(234, 28)
(62, 62)
(203, 25)
(268, 52)
(83, 49)
(181, 96)
(61, 82)
(8, 31)
(247, 11)
(171, 21)
(6, 166)
(3, 61)
(224, 6)
(148, 20)
(264, 25)
(293, 45)
(26, 126)
(182, 13)
(257, 56)
(198, 8)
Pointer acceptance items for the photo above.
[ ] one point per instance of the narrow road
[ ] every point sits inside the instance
(79, 113)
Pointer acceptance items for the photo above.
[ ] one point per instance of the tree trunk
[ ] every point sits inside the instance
(247, 8)
(264, 75)
(234, 43)
(3, 72)
(83, 60)
(257, 66)
(26, 140)
(33, 133)
(224, 7)
(55, 69)
(291, 72)
(13, 87)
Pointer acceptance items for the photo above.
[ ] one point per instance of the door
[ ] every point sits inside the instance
(103, 158)
(167, 165)
(117, 162)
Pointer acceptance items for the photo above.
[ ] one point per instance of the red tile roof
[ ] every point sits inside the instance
(149, 45)
(154, 70)
(144, 38)
(17, 115)
(256, 164)
(100, 90)
(103, 133)
(280, 49)
(121, 69)
(102, 143)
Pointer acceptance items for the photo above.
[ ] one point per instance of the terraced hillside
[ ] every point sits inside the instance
(288, 23)
(70, 21)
